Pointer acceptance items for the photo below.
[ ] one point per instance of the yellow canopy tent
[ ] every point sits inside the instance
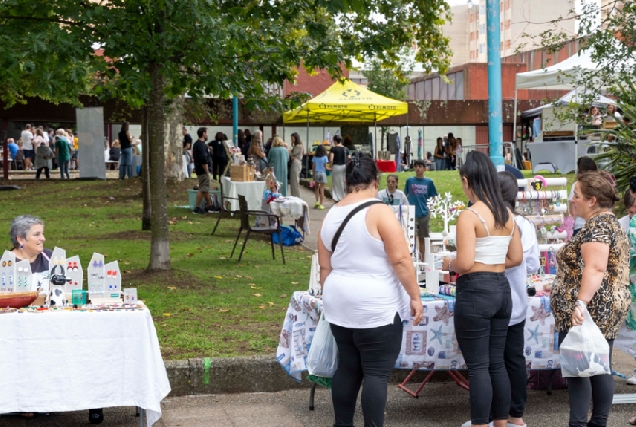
(346, 102)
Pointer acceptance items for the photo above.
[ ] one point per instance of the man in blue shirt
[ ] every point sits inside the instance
(418, 190)
(13, 147)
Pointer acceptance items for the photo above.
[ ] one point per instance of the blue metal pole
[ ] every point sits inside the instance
(235, 120)
(495, 114)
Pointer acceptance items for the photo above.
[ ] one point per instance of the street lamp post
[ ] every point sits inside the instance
(495, 114)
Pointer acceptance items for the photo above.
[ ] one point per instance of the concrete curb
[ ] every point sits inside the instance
(247, 375)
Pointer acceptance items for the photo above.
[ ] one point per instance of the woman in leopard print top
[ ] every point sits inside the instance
(593, 272)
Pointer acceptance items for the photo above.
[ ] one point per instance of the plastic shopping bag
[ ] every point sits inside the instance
(585, 351)
(322, 360)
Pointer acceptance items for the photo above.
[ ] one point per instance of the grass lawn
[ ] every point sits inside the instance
(208, 305)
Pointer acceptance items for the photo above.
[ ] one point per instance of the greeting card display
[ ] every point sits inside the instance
(96, 275)
(112, 285)
(7, 272)
(74, 272)
(23, 277)
(130, 296)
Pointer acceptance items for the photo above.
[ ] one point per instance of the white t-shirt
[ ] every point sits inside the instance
(624, 222)
(27, 140)
(45, 135)
(397, 198)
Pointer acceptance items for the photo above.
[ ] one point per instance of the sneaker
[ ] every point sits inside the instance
(197, 211)
(321, 207)
(95, 416)
(317, 205)
(490, 424)
(632, 380)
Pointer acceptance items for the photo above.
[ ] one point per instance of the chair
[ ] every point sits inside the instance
(245, 225)
(223, 210)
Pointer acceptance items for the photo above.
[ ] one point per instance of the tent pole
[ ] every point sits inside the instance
(308, 147)
(514, 130)
(375, 132)
(576, 133)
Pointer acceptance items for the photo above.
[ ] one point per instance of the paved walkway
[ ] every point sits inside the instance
(316, 217)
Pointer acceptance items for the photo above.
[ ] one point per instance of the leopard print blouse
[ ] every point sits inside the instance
(611, 301)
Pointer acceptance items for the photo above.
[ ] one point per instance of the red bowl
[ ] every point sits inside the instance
(17, 300)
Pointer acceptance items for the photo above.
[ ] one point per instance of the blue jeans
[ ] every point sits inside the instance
(63, 168)
(440, 164)
(482, 313)
(125, 163)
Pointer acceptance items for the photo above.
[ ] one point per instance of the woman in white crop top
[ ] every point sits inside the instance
(365, 281)
(487, 243)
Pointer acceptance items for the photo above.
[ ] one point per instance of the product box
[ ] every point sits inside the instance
(242, 173)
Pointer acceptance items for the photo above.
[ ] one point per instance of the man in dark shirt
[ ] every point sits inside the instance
(201, 157)
(186, 136)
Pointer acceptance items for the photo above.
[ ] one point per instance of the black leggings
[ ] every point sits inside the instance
(516, 367)
(39, 172)
(482, 313)
(218, 166)
(368, 354)
(599, 389)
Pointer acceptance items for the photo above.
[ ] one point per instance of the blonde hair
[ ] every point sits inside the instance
(116, 143)
(278, 142)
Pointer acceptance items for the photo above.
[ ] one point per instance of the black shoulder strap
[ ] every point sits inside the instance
(336, 237)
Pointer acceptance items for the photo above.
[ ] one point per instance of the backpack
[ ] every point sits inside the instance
(289, 235)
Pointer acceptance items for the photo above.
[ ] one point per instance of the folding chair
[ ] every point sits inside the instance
(223, 210)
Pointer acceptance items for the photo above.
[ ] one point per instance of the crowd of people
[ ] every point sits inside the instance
(447, 154)
(45, 150)
(369, 289)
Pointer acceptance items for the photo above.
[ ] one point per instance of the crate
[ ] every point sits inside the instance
(241, 173)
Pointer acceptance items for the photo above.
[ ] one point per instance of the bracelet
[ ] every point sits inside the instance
(449, 265)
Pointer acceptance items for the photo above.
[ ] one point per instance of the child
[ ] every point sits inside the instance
(319, 169)
(418, 189)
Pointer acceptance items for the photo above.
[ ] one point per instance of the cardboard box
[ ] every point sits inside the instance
(241, 173)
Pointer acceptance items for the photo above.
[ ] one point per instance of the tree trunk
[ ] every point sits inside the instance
(145, 170)
(160, 234)
(174, 138)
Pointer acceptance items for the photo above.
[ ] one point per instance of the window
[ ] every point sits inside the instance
(419, 90)
(459, 85)
(427, 89)
(481, 48)
(507, 44)
(451, 86)
(443, 90)
(412, 91)
(435, 91)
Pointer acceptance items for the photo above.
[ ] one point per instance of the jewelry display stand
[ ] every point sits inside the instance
(7, 272)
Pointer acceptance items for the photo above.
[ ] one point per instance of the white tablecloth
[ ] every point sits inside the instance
(69, 361)
(293, 207)
(252, 190)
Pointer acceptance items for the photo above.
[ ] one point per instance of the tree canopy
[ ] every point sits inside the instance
(154, 50)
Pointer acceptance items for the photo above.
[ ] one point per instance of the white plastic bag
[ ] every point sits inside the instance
(322, 360)
(585, 351)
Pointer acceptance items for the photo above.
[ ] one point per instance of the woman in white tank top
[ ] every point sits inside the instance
(368, 279)
(487, 243)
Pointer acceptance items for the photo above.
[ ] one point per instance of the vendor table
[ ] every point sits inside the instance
(252, 190)
(74, 360)
(386, 165)
(559, 153)
(293, 207)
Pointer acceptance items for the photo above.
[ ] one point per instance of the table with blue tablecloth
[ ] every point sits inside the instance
(429, 346)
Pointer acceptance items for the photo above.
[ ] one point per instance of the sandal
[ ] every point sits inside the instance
(632, 421)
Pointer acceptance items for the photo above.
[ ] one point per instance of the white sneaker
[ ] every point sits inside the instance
(468, 424)
(632, 380)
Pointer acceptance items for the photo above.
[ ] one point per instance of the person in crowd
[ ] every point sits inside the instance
(430, 161)
(38, 139)
(418, 190)
(27, 146)
(201, 156)
(594, 116)
(187, 156)
(368, 282)
(452, 153)
(438, 154)
(27, 239)
(219, 156)
(458, 151)
(186, 136)
(593, 276)
(514, 358)
(297, 152)
(242, 143)
(612, 114)
(45, 135)
(391, 195)
(629, 202)
(584, 164)
(51, 133)
(338, 158)
(43, 156)
(278, 159)
(13, 147)
(248, 136)
(113, 154)
(125, 141)
(257, 153)
(488, 242)
(348, 143)
(319, 172)
(73, 138)
(62, 153)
